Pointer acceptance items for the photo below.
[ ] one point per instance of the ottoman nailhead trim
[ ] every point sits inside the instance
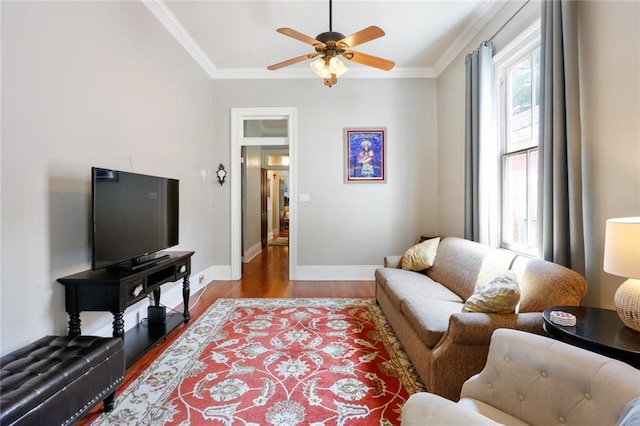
(94, 400)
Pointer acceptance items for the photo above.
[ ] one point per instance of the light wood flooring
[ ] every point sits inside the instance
(265, 276)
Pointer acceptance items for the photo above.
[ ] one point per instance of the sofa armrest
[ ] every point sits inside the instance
(428, 409)
(476, 328)
(394, 261)
(462, 351)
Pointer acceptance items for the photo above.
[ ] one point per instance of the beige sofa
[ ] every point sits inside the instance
(445, 345)
(535, 380)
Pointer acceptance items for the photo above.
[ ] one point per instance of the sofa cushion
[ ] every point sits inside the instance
(400, 285)
(500, 295)
(461, 265)
(429, 318)
(421, 256)
(486, 410)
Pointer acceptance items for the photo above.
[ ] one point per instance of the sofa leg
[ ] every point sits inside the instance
(109, 401)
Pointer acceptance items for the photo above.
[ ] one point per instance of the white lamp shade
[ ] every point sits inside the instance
(622, 247)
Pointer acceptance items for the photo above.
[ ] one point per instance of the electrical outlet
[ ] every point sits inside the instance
(200, 279)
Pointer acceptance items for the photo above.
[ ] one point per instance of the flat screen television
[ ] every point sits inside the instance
(134, 216)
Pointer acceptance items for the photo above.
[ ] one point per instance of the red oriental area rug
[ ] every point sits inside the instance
(275, 362)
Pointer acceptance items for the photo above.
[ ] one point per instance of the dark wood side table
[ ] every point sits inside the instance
(598, 330)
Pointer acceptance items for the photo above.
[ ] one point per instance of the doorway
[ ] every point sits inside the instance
(267, 127)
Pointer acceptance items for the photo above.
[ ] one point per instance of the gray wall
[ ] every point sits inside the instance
(348, 224)
(252, 200)
(609, 37)
(90, 84)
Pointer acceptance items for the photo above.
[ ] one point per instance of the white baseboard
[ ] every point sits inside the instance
(336, 272)
(314, 272)
(252, 252)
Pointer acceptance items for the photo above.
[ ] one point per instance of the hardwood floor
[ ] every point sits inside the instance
(265, 276)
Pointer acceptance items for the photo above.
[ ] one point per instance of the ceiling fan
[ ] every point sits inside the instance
(329, 45)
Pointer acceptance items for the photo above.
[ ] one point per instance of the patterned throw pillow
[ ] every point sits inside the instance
(421, 256)
(501, 295)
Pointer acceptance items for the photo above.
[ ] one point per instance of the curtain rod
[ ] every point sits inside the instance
(509, 20)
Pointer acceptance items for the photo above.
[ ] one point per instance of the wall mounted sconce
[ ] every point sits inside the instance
(221, 174)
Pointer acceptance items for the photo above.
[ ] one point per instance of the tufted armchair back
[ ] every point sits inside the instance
(541, 381)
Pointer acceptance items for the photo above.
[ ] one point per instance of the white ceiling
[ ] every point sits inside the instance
(238, 39)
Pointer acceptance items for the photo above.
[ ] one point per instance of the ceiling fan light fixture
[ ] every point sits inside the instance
(329, 45)
(337, 67)
(324, 67)
(317, 65)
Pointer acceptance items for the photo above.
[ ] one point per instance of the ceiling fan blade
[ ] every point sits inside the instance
(362, 36)
(292, 61)
(298, 36)
(372, 61)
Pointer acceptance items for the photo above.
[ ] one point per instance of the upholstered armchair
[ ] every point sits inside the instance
(535, 380)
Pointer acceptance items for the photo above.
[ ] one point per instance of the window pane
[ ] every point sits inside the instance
(536, 99)
(533, 198)
(520, 115)
(514, 214)
(265, 128)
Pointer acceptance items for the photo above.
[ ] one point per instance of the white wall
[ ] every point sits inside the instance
(83, 84)
(348, 224)
(609, 39)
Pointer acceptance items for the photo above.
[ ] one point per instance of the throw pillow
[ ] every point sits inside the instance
(501, 295)
(631, 414)
(421, 256)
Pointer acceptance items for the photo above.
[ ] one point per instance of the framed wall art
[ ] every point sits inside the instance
(365, 151)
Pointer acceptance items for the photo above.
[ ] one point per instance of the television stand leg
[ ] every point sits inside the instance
(74, 324)
(118, 324)
(185, 298)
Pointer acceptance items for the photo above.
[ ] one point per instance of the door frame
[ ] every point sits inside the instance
(238, 117)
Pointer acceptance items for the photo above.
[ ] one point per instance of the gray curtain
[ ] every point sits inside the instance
(560, 216)
(479, 69)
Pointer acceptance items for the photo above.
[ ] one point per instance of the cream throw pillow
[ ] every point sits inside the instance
(421, 256)
(501, 295)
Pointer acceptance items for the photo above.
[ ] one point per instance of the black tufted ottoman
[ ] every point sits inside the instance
(57, 379)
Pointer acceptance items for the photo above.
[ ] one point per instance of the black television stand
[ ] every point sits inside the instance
(114, 290)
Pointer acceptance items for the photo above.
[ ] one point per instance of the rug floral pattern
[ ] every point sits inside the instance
(275, 362)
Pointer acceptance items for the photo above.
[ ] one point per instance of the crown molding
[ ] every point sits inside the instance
(303, 73)
(480, 18)
(161, 11)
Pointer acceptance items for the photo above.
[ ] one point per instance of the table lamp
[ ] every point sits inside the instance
(622, 258)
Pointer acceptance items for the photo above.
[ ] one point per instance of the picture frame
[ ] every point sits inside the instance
(365, 155)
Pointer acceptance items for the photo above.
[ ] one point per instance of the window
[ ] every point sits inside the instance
(518, 97)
